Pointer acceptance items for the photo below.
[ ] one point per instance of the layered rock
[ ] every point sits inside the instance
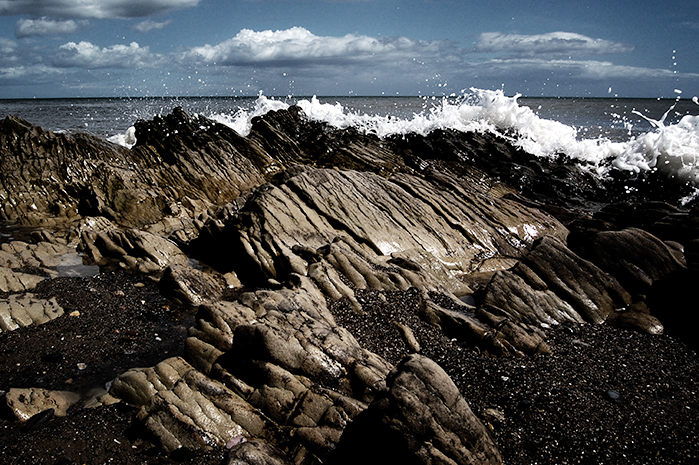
(297, 217)
(52, 178)
(24, 310)
(421, 418)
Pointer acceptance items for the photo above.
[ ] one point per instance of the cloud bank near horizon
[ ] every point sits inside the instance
(295, 60)
(93, 9)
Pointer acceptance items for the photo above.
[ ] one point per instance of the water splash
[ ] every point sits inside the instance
(672, 148)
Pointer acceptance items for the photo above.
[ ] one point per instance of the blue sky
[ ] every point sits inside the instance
(105, 48)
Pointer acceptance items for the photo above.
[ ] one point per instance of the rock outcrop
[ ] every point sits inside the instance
(298, 217)
(421, 418)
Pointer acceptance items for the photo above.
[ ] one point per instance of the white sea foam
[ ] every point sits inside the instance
(127, 139)
(671, 148)
(241, 119)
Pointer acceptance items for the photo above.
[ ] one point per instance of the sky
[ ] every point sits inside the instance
(134, 48)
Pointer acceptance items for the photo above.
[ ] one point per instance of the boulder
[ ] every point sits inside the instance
(52, 179)
(199, 412)
(255, 453)
(633, 256)
(137, 386)
(313, 207)
(43, 255)
(133, 249)
(590, 291)
(529, 302)
(188, 286)
(15, 281)
(420, 419)
(25, 403)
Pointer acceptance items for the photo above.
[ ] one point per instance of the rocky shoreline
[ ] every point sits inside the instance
(307, 295)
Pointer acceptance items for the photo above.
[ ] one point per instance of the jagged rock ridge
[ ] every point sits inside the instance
(296, 216)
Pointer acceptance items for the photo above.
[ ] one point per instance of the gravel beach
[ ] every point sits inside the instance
(604, 395)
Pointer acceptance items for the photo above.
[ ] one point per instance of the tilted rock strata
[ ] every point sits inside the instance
(305, 215)
(420, 418)
(20, 310)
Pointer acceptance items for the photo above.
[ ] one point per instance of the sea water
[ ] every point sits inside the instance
(603, 134)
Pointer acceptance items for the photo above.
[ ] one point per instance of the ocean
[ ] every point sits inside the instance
(603, 134)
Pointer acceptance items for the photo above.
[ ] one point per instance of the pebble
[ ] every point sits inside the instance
(613, 396)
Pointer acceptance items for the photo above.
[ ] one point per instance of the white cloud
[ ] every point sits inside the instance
(575, 69)
(551, 44)
(7, 47)
(90, 56)
(35, 74)
(150, 25)
(97, 9)
(298, 45)
(44, 26)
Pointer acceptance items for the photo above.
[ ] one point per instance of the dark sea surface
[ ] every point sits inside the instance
(107, 117)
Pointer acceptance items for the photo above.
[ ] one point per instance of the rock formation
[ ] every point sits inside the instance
(296, 217)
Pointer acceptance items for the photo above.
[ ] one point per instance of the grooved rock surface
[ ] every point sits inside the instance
(298, 295)
(20, 310)
(421, 419)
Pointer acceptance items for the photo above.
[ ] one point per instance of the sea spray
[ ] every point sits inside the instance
(672, 147)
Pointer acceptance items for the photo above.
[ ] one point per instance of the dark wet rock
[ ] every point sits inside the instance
(635, 257)
(549, 183)
(421, 418)
(38, 419)
(637, 317)
(613, 396)
(671, 301)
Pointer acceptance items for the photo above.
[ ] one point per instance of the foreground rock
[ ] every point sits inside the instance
(422, 418)
(31, 403)
(297, 223)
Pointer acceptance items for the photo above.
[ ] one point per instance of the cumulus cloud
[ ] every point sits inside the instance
(97, 9)
(150, 25)
(45, 26)
(298, 45)
(90, 56)
(551, 44)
